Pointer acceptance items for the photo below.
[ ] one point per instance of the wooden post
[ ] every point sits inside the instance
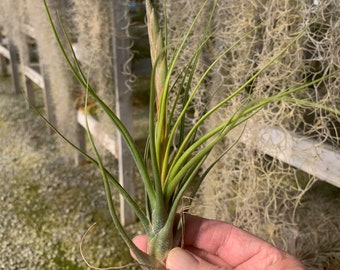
(44, 82)
(59, 7)
(29, 89)
(81, 143)
(25, 62)
(3, 61)
(121, 55)
(3, 65)
(14, 60)
(49, 109)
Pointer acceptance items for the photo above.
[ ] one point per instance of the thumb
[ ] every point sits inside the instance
(179, 259)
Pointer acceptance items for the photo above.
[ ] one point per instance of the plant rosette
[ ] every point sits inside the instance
(175, 153)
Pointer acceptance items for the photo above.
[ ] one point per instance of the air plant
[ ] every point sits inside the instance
(174, 152)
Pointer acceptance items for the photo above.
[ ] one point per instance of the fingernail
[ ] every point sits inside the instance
(179, 259)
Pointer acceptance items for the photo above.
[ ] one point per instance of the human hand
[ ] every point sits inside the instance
(216, 245)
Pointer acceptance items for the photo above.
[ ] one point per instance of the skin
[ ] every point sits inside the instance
(216, 245)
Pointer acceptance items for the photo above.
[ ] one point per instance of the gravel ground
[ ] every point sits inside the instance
(46, 203)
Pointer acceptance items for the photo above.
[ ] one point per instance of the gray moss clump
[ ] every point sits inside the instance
(249, 188)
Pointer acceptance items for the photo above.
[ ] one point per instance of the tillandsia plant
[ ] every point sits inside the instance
(172, 166)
